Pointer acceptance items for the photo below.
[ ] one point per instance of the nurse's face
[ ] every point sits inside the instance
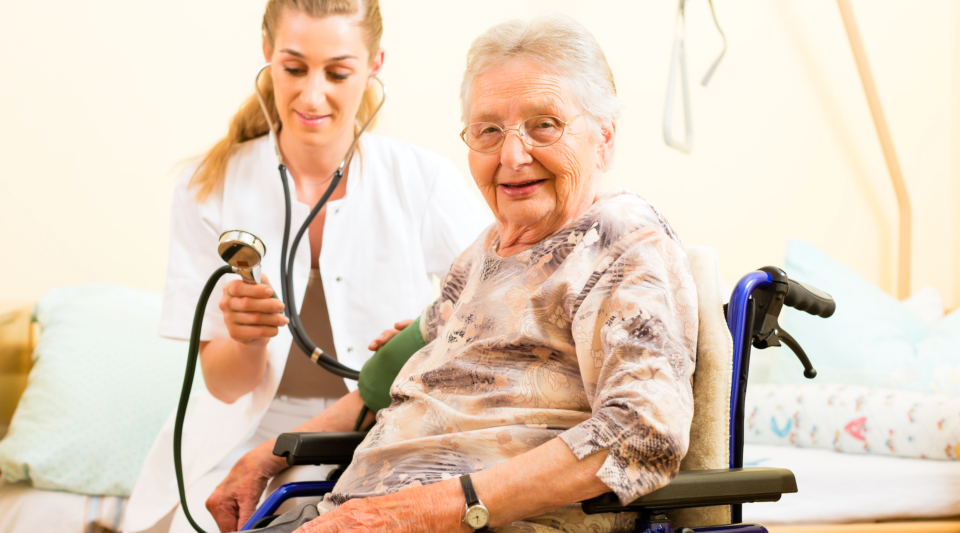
(320, 69)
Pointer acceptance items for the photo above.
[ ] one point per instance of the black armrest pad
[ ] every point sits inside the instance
(699, 488)
(318, 448)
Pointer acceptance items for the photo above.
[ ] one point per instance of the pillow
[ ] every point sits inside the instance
(854, 419)
(927, 304)
(872, 340)
(102, 385)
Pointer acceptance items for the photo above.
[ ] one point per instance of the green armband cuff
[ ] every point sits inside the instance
(378, 374)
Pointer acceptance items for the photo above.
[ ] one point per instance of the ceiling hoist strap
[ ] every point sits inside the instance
(678, 67)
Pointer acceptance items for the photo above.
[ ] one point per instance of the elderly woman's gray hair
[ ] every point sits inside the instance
(560, 45)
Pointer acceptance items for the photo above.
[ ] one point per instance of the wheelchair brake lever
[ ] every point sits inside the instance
(766, 329)
(808, 371)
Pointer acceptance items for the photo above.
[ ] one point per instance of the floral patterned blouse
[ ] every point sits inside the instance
(589, 336)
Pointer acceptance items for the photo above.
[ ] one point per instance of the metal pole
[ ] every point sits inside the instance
(886, 144)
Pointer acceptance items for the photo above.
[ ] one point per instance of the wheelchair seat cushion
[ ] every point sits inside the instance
(710, 429)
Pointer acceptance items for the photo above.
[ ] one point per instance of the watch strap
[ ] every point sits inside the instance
(468, 491)
(470, 495)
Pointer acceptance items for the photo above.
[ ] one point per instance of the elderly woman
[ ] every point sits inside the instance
(561, 349)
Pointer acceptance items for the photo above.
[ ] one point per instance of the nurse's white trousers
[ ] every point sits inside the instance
(283, 415)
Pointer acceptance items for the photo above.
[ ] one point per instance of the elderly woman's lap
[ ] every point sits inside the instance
(293, 519)
(568, 519)
(572, 519)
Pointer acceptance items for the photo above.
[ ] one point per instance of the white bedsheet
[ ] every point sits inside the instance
(24, 509)
(836, 487)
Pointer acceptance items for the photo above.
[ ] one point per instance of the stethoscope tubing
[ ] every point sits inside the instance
(287, 259)
(286, 286)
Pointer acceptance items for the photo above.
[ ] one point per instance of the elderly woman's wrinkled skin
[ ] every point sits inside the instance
(565, 175)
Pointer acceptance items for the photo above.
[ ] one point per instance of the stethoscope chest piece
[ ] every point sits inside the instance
(243, 251)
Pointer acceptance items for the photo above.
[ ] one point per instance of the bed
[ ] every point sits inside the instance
(101, 384)
(836, 487)
(24, 509)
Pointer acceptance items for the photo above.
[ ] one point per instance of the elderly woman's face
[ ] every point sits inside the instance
(534, 189)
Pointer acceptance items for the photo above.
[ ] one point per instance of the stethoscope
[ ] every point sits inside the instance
(300, 336)
(243, 253)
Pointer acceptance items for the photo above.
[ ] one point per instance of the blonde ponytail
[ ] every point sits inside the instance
(249, 122)
(369, 103)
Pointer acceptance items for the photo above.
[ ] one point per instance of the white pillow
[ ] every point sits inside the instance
(102, 384)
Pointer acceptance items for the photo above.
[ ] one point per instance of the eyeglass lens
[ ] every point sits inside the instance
(538, 131)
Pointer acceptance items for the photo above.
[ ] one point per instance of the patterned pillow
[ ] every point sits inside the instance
(102, 384)
(854, 419)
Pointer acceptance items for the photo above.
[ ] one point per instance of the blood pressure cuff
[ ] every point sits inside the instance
(378, 374)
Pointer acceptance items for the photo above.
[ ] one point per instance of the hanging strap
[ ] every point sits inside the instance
(678, 63)
(678, 66)
(716, 62)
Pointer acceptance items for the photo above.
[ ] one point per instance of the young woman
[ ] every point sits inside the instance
(400, 215)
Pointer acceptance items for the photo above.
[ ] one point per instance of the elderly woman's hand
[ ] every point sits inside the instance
(432, 508)
(235, 499)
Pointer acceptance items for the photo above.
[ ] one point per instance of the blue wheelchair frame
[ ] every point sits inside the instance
(741, 317)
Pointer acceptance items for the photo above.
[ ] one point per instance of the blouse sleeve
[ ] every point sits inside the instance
(453, 219)
(635, 334)
(194, 234)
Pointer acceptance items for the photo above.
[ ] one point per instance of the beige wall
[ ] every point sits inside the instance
(955, 148)
(100, 101)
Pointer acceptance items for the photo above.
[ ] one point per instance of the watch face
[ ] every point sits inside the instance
(477, 517)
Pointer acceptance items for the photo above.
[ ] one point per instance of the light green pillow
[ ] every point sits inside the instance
(873, 340)
(102, 385)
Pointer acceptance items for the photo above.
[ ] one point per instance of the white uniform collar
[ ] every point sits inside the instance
(268, 154)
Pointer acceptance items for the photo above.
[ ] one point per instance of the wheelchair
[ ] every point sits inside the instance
(707, 494)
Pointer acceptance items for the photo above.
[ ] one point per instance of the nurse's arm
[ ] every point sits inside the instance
(234, 366)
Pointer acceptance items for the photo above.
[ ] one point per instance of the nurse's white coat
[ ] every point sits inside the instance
(407, 214)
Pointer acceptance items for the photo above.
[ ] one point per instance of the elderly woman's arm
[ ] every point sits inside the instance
(545, 478)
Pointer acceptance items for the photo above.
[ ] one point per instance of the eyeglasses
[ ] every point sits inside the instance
(538, 132)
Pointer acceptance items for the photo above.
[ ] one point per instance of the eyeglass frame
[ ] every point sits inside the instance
(503, 133)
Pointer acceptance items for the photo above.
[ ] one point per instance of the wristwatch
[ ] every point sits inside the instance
(477, 516)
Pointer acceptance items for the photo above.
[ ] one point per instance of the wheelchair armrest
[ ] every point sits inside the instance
(318, 448)
(700, 488)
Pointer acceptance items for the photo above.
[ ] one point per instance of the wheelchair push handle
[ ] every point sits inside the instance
(809, 299)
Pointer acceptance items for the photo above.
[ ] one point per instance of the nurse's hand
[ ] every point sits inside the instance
(388, 334)
(251, 315)
(235, 499)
